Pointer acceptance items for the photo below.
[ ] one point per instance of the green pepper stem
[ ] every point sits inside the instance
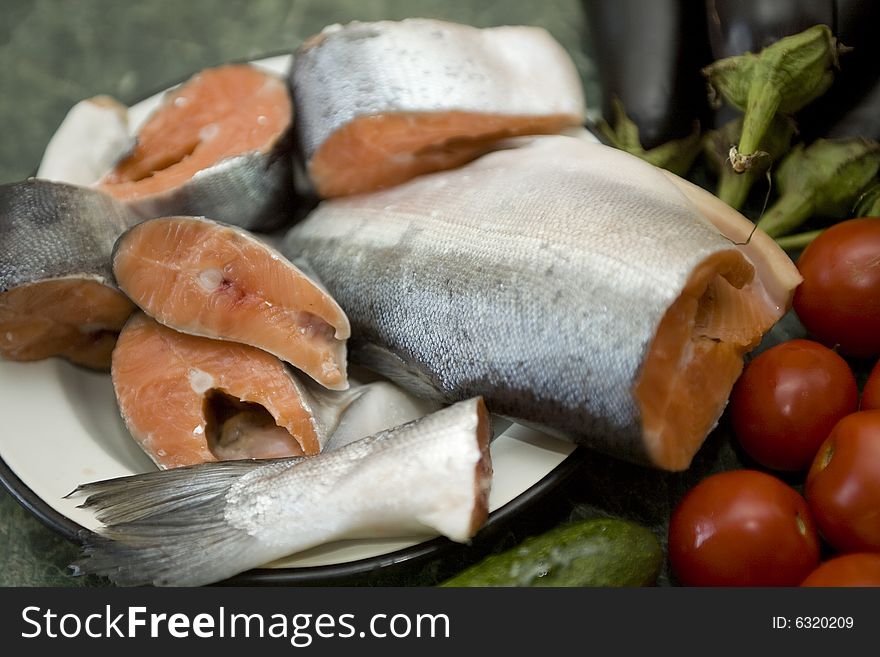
(789, 212)
(733, 188)
(798, 241)
(764, 100)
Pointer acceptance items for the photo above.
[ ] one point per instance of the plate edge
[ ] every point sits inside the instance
(431, 548)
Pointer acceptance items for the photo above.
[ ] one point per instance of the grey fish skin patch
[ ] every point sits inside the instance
(53, 230)
(536, 277)
(422, 65)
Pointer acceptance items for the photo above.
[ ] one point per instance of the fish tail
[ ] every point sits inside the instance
(328, 406)
(164, 528)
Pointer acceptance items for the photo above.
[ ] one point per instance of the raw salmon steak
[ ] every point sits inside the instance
(188, 400)
(572, 285)
(208, 279)
(379, 103)
(219, 146)
(57, 295)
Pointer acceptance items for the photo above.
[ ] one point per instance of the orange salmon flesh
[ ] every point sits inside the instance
(77, 319)
(204, 278)
(383, 150)
(189, 400)
(220, 113)
(697, 355)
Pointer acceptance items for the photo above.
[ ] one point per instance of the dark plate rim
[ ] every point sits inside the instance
(431, 548)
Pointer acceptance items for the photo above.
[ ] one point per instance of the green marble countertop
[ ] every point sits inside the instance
(57, 52)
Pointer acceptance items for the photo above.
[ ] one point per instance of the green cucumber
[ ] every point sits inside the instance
(595, 552)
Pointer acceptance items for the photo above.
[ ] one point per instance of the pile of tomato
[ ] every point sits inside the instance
(797, 412)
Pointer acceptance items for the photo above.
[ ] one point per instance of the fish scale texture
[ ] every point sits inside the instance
(437, 448)
(253, 190)
(52, 230)
(421, 65)
(536, 277)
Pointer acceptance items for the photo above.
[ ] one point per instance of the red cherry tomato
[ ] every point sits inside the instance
(843, 485)
(839, 300)
(871, 392)
(861, 569)
(787, 401)
(742, 528)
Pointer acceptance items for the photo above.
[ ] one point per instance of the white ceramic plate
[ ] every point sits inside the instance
(61, 428)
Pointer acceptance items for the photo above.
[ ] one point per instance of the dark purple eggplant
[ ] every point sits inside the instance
(852, 107)
(738, 26)
(649, 56)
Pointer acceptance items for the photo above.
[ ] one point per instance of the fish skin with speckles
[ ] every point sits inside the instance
(536, 276)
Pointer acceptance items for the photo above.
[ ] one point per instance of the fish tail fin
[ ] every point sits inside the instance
(164, 528)
(328, 406)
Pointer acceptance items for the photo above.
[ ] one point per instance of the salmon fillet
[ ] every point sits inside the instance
(74, 318)
(187, 399)
(572, 285)
(57, 295)
(204, 278)
(379, 103)
(219, 146)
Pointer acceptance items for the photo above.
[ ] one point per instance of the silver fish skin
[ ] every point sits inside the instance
(425, 65)
(253, 191)
(53, 230)
(57, 292)
(536, 277)
(202, 524)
